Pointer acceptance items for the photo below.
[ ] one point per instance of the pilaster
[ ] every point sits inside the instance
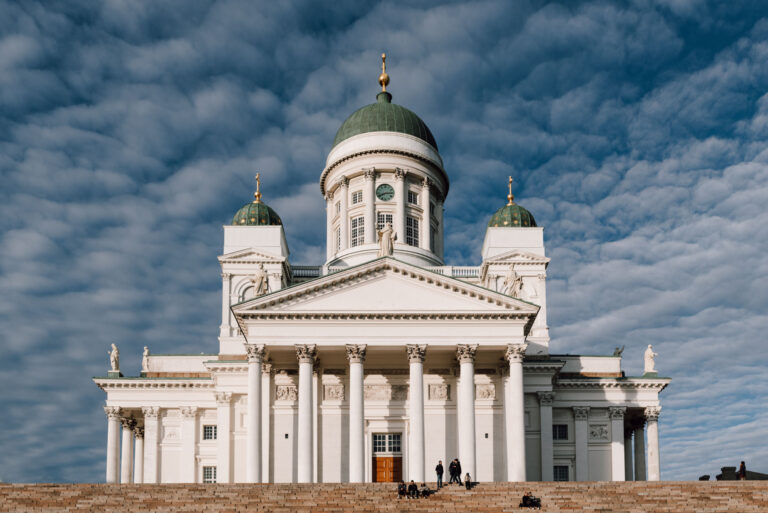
(581, 436)
(151, 443)
(188, 455)
(223, 437)
(546, 400)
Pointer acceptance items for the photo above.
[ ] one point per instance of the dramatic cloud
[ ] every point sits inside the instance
(130, 132)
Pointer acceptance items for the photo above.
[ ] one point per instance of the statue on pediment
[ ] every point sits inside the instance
(114, 358)
(650, 360)
(145, 360)
(513, 283)
(387, 238)
(259, 281)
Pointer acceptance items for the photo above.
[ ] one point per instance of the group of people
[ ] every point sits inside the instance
(412, 490)
(529, 501)
(454, 469)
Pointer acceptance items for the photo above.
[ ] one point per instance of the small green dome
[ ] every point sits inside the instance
(512, 215)
(384, 116)
(256, 214)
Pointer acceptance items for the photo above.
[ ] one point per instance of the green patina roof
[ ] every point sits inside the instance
(256, 214)
(512, 215)
(384, 116)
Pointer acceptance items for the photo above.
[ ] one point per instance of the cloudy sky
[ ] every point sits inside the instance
(130, 132)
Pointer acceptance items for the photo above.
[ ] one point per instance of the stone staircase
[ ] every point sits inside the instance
(662, 497)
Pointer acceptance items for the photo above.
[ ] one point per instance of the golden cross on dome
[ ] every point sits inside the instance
(510, 196)
(384, 78)
(257, 194)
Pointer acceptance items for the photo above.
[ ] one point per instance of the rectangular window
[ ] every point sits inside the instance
(209, 474)
(358, 231)
(560, 473)
(209, 432)
(338, 239)
(413, 197)
(432, 239)
(412, 231)
(386, 442)
(559, 431)
(357, 197)
(383, 218)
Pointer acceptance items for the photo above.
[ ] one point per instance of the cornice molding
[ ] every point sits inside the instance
(610, 383)
(148, 384)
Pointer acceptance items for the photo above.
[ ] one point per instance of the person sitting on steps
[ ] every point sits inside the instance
(402, 490)
(424, 491)
(529, 501)
(468, 481)
(413, 490)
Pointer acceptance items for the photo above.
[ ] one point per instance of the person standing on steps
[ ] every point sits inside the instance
(742, 473)
(439, 472)
(458, 471)
(452, 471)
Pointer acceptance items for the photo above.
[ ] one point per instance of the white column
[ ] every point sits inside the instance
(151, 443)
(639, 427)
(369, 198)
(580, 434)
(266, 409)
(628, 470)
(188, 462)
(343, 215)
(426, 225)
(223, 437)
(466, 355)
(126, 456)
(356, 356)
(306, 356)
(330, 246)
(255, 354)
(652, 419)
(617, 442)
(138, 458)
(226, 294)
(515, 414)
(113, 444)
(440, 232)
(547, 453)
(401, 198)
(315, 412)
(416, 449)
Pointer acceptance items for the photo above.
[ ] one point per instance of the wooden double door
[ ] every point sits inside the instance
(387, 469)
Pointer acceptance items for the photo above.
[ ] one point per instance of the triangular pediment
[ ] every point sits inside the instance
(249, 255)
(387, 286)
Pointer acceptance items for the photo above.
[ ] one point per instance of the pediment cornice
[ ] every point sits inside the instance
(250, 255)
(517, 256)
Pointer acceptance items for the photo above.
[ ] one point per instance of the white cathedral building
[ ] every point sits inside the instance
(384, 359)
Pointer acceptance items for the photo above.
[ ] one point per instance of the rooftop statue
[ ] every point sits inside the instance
(145, 360)
(387, 238)
(650, 360)
(259, 281)
(513, 283)
(114, 358)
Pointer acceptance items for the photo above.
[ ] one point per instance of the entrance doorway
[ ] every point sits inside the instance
(387, 458)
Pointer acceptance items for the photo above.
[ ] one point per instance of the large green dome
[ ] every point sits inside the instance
(512, 215)
(384, 116)
(256, 213)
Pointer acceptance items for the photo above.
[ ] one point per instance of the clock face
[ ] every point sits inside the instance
(385, 192)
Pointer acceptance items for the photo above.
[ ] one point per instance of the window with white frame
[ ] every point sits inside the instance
(338, 239)
(560, 473)
(357, 197)
(209, 432)
(357, 236)
(559, 431)
(382, 218)
(412, 231)
(209, 474)
(413, 197)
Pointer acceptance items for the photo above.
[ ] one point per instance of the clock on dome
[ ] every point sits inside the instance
(385, 192)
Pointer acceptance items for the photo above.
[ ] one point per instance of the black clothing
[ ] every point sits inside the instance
(413, 490)
(452, 471)
(439, 471)
(529, 501)
(468, 484)
(401, 490)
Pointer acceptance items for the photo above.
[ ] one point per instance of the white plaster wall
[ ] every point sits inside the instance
(335, 442)
(285, 422)
(501, 240)
(270, 239)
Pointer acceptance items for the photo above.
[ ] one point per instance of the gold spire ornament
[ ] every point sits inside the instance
(257, 194)
(510, 196)
(384, 78)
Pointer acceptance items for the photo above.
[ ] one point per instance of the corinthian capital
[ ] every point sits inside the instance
(652, 413)
(400, 174)
(546, 398)
(255, 352)
(581, 412)
(128, 423)
(617, 412)
(306, 353)
(370, 173)
(515, 352)
(113, 412)
(356, 353)
(150, 412)
(138, 431)
(465, 353)
(223, 398)
(189, 412)
(416, 352)
(344, 182)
